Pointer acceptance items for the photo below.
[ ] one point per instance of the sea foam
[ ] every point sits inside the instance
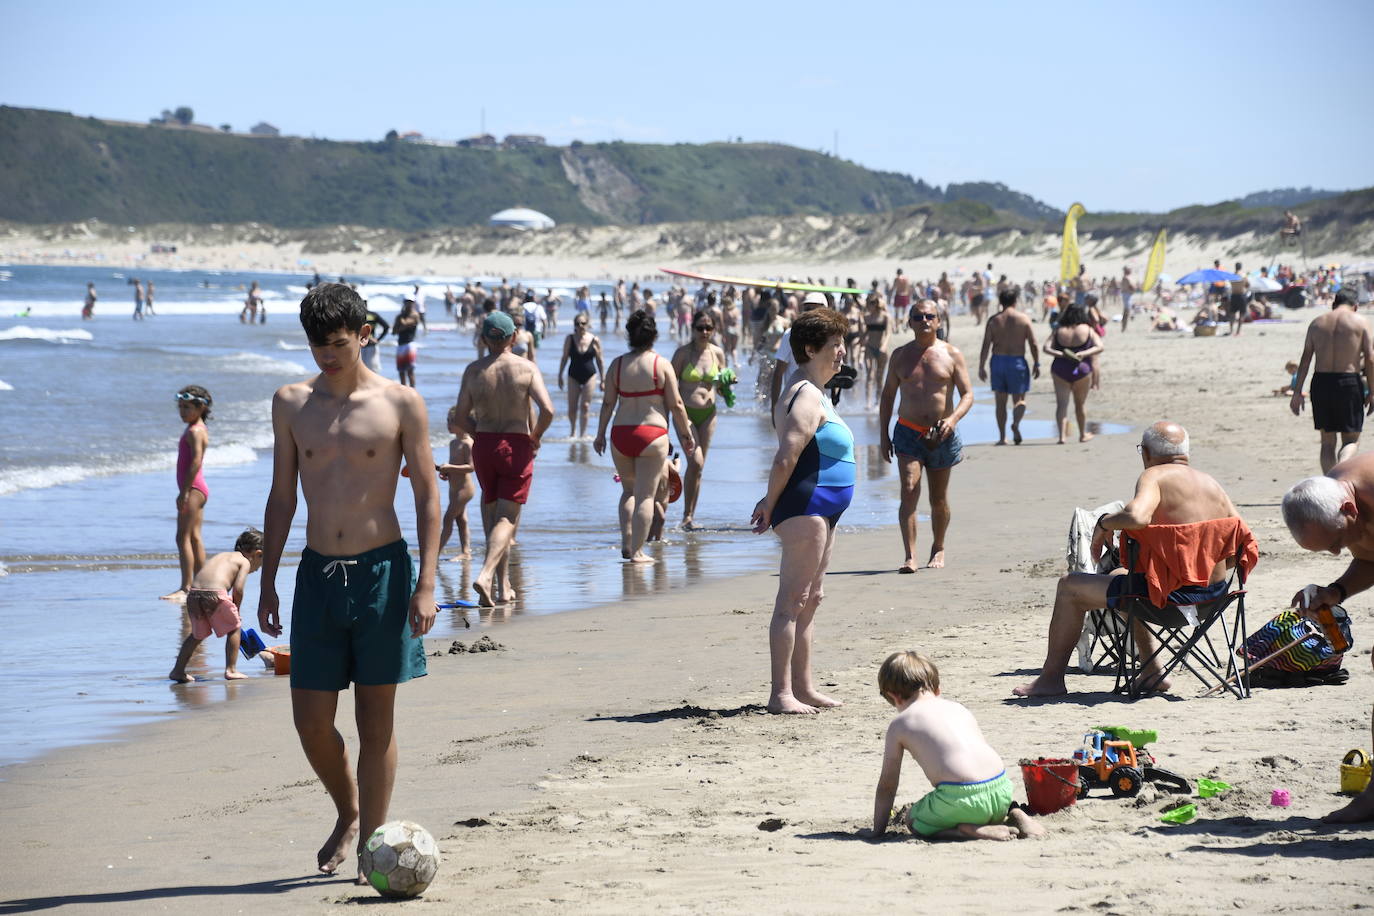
(51, 335)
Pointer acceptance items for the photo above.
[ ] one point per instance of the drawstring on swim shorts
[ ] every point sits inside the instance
(341, 565)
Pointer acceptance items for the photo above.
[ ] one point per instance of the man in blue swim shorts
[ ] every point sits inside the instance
(1008, 335)
(927, 372)
(360, 608)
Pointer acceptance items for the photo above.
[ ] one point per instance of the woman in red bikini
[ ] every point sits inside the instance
(641, 392)
(193, 404)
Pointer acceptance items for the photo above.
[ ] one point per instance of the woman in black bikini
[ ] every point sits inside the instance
(1073, 344)
(582, 359)
(875, 348)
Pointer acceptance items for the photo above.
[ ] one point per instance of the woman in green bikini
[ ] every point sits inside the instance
(698, 365)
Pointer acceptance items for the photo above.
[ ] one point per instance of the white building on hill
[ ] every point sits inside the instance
(521, 218)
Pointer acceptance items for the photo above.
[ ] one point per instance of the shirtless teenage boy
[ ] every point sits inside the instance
(901, 294)
(926, 371)
(1340, 344)
(359, 611)
(494, 407)
(1008, 335)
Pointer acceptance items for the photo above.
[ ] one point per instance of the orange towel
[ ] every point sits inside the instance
(1176, 555)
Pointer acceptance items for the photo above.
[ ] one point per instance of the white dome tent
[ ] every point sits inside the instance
(521, 218)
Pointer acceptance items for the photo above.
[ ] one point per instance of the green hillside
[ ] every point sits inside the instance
(56, 167)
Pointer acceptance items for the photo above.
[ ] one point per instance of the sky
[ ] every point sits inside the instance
(1118, 104)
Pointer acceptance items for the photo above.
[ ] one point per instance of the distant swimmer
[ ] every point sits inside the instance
(1338, 350)
(213, 602)
(148, 299)
(926, 372)
(407, 351)
(251, 303)
(698, 365)
(1008, 337)
(641, 393)
(419, 299)
(88, 309)
(583, 362)
(138, 299)
(901, 294)
(379, 329)
(500, 395)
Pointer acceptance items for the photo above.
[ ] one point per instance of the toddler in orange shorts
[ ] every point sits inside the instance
(213, 602)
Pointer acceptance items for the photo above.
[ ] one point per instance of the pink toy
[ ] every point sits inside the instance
(1280, 798)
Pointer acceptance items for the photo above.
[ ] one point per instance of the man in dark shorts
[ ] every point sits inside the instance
(1008, 336)
(1339, 350)
(927, 372)
(1239, 303)
(494, 408)
(1168, 492)
(359, 611)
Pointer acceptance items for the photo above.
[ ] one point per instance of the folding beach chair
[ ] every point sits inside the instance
(1184, 634)
(1097, 641)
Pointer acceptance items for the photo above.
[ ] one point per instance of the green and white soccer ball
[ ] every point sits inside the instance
(400, 859)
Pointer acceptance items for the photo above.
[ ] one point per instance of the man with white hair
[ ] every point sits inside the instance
(1168, 492)
(1332, 513)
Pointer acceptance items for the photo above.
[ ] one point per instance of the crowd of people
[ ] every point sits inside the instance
(355, 555)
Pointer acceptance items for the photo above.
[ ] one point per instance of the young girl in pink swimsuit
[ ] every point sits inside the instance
(193, 403)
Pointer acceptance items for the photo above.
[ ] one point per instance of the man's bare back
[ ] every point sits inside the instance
(1185, 495)
(1011, 333)
(926, 380)
(1358, 474)
(1338, 341)
(498, 391)
(348, 452)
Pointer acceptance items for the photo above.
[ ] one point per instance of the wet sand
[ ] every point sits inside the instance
(614, 759)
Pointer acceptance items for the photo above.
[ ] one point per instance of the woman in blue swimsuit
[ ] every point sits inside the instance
(810, 485)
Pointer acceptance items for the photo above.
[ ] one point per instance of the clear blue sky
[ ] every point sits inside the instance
(1119, 104)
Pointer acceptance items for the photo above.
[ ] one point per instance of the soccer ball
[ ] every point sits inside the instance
(400, 859)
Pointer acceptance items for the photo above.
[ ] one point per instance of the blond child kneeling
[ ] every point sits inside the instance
(972, 796)
(212, 604)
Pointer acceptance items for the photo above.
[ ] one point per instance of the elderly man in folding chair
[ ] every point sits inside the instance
(1331, 514)
(1194, 521)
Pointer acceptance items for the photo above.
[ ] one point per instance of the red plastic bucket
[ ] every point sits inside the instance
(1051, 784)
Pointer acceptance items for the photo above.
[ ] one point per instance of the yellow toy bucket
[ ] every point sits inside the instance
(1355, 770)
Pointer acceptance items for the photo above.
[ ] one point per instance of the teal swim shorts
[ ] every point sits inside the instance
(955, 803)
(350, 620)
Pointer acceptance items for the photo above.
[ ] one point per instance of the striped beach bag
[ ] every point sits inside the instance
(1311, 662)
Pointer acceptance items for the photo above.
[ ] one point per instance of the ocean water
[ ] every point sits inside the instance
(87, 489)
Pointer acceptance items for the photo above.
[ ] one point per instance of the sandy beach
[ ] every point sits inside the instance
(617, 760)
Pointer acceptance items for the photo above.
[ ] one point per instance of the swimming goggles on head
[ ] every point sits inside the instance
(188, 396)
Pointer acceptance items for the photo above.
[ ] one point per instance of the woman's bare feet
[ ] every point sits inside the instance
(178, 596)
(819, 700)
(483, 590)
(339, 845)
(1042, 687)
(789, 705)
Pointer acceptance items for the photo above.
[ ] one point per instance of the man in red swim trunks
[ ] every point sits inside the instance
(494, 408)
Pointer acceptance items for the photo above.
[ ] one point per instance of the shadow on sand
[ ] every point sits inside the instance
(686, 711)
(279, 886)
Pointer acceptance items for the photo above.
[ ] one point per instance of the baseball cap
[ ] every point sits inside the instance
(815, 299)
(497, 326)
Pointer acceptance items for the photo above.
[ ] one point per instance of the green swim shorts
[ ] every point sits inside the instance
(955, 803)
(350, 620)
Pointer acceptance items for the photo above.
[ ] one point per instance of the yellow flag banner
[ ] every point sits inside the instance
(1155, 266)
(1068, 257)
